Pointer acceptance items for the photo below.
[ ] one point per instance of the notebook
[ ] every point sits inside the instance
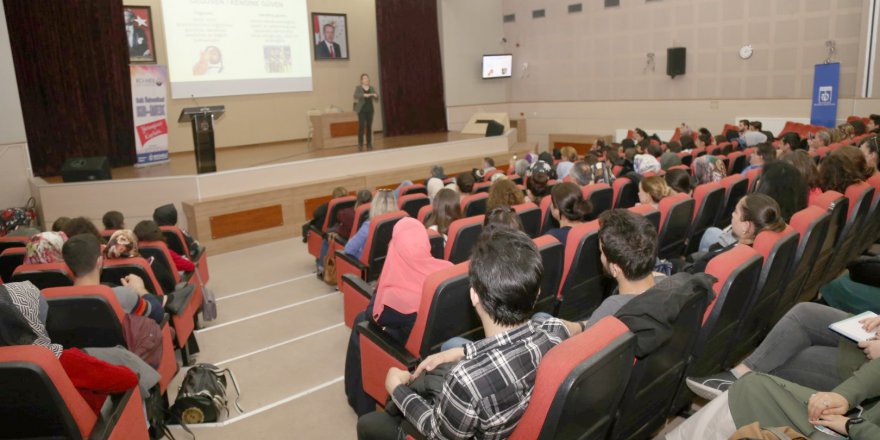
(852, 329)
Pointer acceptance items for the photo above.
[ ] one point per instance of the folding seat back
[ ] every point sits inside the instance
(175, 240)
(754, 175)
(811, 224)
(601, 195)
(445, 311)
(530, 216)
(482, 187)
(708, 201)
(736, 271)
(860, 196)
(547, 220)
(737, 162)
(10, 259)
(474, 204)
(649, 212)
(713, 150)
(106, 234)
(552, 255)
(425, 213)
(44, 275)
(872, 223)
(680, 167)
(40, 401)
(579, 385)
(12, 242)
(626, 193)
(463, 234)
(412, 203)
(438, 244)
(488, 176)
(837, 205)
(581, 289)
(778, 250)
(361, 214)
(115, 270)
(686, 159)
(657, 375)
(372, 259)
(676, 215)
(316, 232)
(735, 188)
(158, 252)
(415, 188)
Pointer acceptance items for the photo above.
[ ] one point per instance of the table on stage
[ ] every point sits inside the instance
(334, 130)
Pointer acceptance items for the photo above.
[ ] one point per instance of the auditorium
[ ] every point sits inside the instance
(440, 219)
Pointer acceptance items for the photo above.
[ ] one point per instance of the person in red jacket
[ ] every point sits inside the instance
(148, 230)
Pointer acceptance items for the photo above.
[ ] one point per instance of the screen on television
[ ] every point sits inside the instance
(497, 66)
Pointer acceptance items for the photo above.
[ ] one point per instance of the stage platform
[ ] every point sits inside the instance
(259, 193)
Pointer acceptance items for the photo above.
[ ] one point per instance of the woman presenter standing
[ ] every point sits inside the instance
(364, 95)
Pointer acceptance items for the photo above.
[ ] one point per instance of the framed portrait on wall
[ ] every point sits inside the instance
(331, 36)
(139, 33)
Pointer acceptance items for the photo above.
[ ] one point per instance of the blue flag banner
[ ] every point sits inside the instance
(825, 87)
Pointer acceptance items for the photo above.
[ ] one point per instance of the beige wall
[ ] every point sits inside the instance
(255, 119)
(468, 30)
(600, 54)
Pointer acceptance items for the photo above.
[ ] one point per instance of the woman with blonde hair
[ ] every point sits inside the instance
(654, 189)
(383, 203)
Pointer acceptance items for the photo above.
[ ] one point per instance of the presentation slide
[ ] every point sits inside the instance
(497, 66)
(237, 47)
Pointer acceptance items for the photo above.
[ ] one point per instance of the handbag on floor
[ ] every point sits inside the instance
(330, 261)
(202, 395)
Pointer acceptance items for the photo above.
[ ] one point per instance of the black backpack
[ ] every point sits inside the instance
(202, 395)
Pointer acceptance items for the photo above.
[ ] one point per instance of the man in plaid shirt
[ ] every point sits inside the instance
(486, 393)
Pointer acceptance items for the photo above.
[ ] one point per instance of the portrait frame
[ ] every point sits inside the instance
(142, 35)
(339, 22)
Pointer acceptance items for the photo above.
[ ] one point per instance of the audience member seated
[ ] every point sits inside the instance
(817, 377)
(166, 215)
(788, 143)
(397, 298)
(318, 215)
(627, 166)
(858, 127)
(786, 181)
(687, 143)
(652, 190)
(569, 157)
(124, 244)
(670, 158)
(871, 150)
(521, 167)
(581, 173)
(708, 168)
(842, 168)
(753, 136)
(504, 217)
(59, 224)
(645, 163)
(383, 203)
(873, 124)
(505, 274)
(753, 214)
(82, 253)
(537, 188)
(433, 186)
(505, 193)
(568, 207)
(45, 248)
(81, 225)
(344, 222)
(465, 183)
(488, 164)
(680, 181)
(818, 140)
(438, 172)
(446, 209)
(113, 220)
(857, 290)
(148, 230)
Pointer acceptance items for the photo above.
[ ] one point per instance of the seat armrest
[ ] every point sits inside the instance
(376, 335)
(107, 420)
(351, 260)
(341, 240)
(358, 285)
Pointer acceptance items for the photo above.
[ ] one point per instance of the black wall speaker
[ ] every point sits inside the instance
(84, 169)
(676, 61)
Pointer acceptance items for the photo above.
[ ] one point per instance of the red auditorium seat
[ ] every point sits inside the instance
(601, 195)
(474, 204)
(107, 233)
(488, 176)
(44, 275)
(811, 224)
(708, 202)
(552, 256)
(161, 255)
(547, 220)
(177, 243)
(649, 212)
(482, 187)
(626, 193)
(369, 266)
(12, 242)
(438, 244)
(530, 216)
(837, 205)
(582, 287)
(680, 167)
(317, 232)
(90, 316)
(737, 161)
(416, 188)
(656, 377)
(713, 150)
(10, 259)
(754, 175)
(778, 250)
(425, 213)
(676, 217)
(579, 385)
(463, 234)
(860, 196)
(39, 401)
(872, 224)
(735, 188)
(445, 311)
(412, 203)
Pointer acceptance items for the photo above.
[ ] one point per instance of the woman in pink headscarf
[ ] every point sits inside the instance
(397, 299)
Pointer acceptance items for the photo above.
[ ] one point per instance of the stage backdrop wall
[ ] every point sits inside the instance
(259, 119)
(411, 69)
(73, 84)
(11, 122)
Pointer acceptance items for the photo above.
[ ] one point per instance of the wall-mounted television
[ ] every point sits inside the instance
(497, 66)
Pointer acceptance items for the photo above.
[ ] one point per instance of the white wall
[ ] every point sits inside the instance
(469, 29)
(11, 122)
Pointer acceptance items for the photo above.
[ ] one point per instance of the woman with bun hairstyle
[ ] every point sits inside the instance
(652, 190)
(568, 206)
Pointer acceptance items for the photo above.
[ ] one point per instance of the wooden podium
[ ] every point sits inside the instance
(334, 130)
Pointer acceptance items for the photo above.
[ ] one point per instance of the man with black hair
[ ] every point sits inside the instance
(488, 164)
(465, 182)
(753, 136)
(743, 125)
(789, 142)
(764, 153)
(505, 275)
(873, 124)
(670, 158)
(704, 139)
